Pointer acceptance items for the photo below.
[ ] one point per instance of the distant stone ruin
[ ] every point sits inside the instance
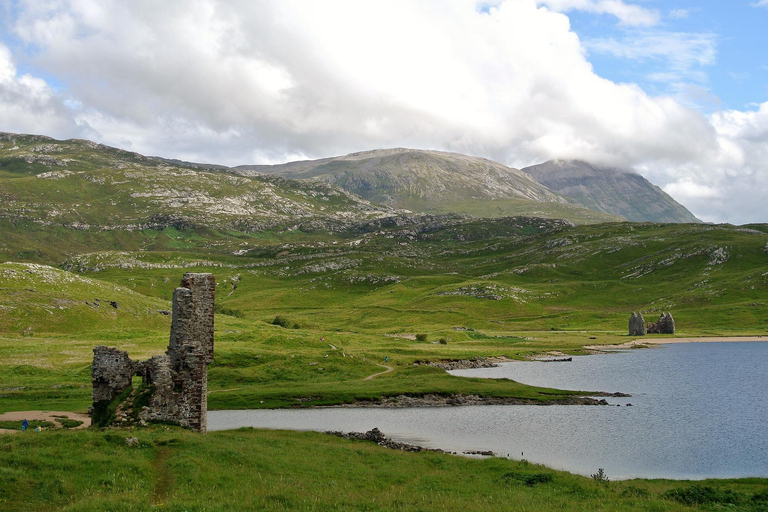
(636, 324)
(174, 385)
(639, 327)
(665, 325)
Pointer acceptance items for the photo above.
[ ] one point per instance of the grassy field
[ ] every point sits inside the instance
(175, 470)
(486, 288)
(347, 299)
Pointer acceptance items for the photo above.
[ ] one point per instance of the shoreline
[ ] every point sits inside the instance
(639, 342)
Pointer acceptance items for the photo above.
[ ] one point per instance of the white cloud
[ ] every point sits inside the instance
(761, 3)
(628, 14)
(244, 82)
(27, 104)
(679, 14)
(683, 53)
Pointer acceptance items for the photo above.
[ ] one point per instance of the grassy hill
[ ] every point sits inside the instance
(78, 184)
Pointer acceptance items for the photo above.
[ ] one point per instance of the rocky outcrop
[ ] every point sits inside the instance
(175, 384)
(460, 364)
(636, 324)
(376, 436)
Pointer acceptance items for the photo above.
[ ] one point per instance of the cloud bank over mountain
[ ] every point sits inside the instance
(244, 82)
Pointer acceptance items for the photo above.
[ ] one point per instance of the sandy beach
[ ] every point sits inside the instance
(665, 341)
(43, 416)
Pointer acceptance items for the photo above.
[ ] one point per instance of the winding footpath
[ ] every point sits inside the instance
(388, 369)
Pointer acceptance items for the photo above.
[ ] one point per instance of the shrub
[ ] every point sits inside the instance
(221, 310)
(701, 495)
(529, 479)
(68, 423)
(421, 337)
(635, 492)
(281, 321)
(600, 477)
(443, 341)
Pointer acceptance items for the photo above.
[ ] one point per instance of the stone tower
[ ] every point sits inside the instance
(177, 381)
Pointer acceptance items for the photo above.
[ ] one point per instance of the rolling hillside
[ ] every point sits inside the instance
(77, 184)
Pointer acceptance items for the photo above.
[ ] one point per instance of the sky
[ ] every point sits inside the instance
(676, 90)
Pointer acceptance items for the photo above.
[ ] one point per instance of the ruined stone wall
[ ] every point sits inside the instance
(636, 324)
(178, 379)
(639, 327)
(112, 373)
(665, 325)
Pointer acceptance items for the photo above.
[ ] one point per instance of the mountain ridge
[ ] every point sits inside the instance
(611, 190)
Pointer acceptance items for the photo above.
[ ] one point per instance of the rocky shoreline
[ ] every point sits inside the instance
(464, 364)
(376, 436)
(435, 400)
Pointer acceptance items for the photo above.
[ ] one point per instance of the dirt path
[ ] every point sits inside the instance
(163, 476)
(223, 390)
(388, 369)
(52, 416)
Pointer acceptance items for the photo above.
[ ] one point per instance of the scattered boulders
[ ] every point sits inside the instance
(485, 453)
(461, 364)
(131, 441)
(434, 400)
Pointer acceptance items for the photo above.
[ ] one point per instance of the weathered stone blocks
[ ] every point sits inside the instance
(665, 325)
(177, 381)
(636, 324)
(639, 327)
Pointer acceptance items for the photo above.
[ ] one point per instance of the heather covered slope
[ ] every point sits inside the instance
(610, 190)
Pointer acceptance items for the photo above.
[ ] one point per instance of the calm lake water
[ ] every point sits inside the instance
(700, 410)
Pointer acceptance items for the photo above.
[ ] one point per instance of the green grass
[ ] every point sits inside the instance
(558, 287)
(16, 425)
(275, 470)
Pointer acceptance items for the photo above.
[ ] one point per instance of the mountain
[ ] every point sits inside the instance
(79, 184)
(399, 176)
(610, 190)
(434, 182)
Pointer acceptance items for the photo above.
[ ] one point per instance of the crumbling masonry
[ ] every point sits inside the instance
(639, 327)
(176, 382)
(636, 324)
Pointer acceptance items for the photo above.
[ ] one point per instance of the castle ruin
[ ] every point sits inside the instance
(636, 324)
(665, 325)
(175, 384)
(639, 327)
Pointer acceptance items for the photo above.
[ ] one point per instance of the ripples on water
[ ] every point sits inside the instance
(699, 410)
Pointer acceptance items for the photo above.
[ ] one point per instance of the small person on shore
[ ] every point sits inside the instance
(25, 425)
